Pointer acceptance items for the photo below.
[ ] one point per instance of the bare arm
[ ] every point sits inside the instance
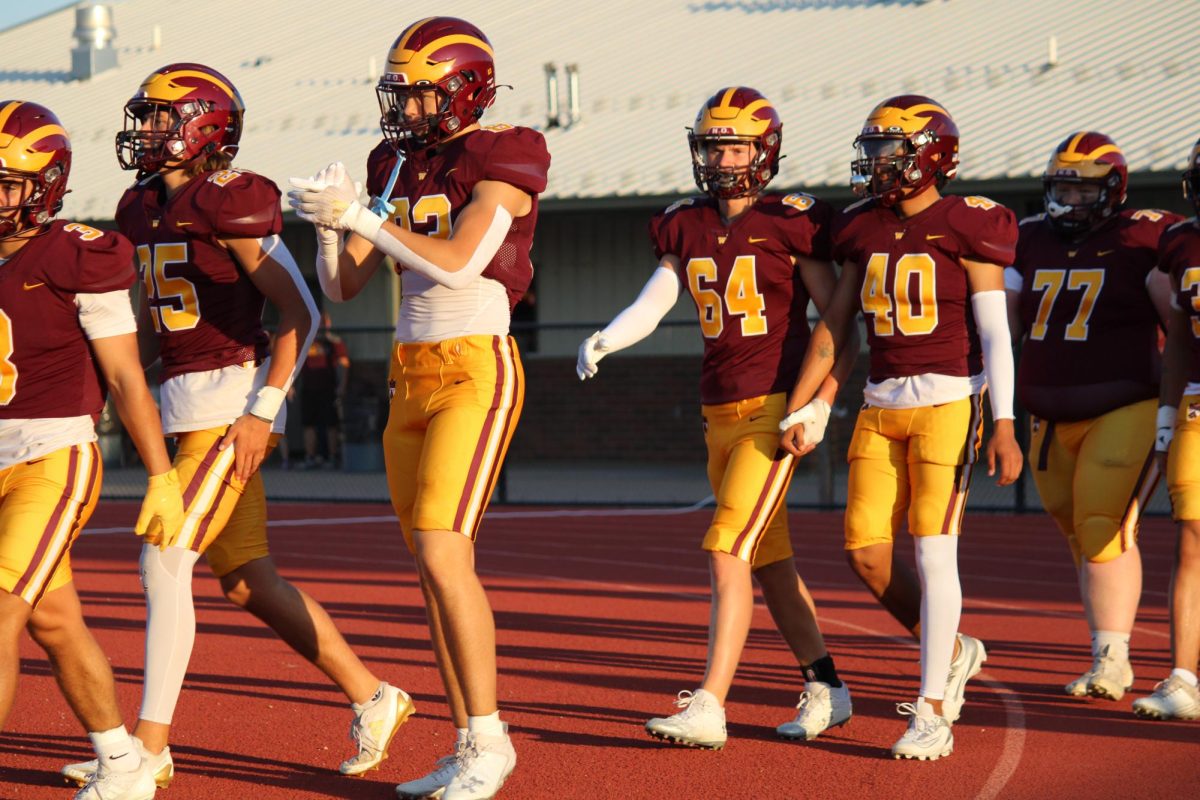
(820, 279)
(1158, 286)
(121, 367)
(275, 275)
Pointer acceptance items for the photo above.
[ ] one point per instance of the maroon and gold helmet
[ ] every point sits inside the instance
(447, 59)
(742, 115)
(34, 148)
(1085, 158)
(1191, 177)
(198, 111)
(908, 142)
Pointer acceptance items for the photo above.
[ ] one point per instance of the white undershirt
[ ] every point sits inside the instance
(430, 312)
(914, 391)
(101, 316)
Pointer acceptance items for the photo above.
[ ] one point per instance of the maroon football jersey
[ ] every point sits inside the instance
(752, 304)
(48, 371)
(430, 193)
(1092, 341)
(205, 309)
(914, 295)
(1179, 257)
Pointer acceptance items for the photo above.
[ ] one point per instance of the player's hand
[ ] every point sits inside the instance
(1004, 452)
(330, 199)
(804, 428)
(162, 515)
(591, 351)
(249, 437)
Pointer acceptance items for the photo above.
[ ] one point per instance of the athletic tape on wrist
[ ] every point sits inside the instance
(267, 403)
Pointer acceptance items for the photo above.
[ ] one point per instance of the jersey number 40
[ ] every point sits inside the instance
(908, 303)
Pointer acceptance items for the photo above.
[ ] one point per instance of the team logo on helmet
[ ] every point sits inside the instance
(35, 150)
(1191, 177)
(741, 115)
(907, 143)
(1084, 182)
(440, 78)
(181, 112)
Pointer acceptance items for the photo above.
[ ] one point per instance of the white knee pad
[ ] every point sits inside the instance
(170, 628)
(941, 609)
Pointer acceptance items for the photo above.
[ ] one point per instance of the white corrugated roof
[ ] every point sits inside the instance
(307, 71)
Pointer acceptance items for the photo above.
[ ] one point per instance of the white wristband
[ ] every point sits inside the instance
(1166, 428)
(267, 403)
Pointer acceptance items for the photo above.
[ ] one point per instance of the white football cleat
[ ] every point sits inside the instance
(821, 707)
(701, 723)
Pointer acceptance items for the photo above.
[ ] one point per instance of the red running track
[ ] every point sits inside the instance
(602, 619)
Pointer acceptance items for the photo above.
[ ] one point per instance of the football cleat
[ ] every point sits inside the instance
(928, 737)
(107, 784)
(701, 723)
(162, 767)
(433, 785)
(1173, 698)
(966, 665)
(1111, 676)
(484, 764)
(821, 707)
(374, 728)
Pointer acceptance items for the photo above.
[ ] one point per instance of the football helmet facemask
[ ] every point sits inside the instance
(1191, 178)
(908, 142)
(1085, 164)
(181, 112)
(35, 151)
(736, 115)
(441, 71)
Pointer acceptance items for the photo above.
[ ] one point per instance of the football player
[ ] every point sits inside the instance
(926, 270)
(1084, 292)
(457, 205)
(68, 337)
(1178, 426)
(207, 243)
(751, 261)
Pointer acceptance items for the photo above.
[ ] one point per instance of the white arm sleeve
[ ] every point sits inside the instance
(493, 237)
(274, 247)
(643, 315)
(329, 249)
(991, 320)
(105, 314)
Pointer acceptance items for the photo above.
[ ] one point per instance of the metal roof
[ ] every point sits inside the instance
(307, 72)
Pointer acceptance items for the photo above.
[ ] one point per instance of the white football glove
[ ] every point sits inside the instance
(330, 199)
(1166, 428)
(814, 417)
(591, 351)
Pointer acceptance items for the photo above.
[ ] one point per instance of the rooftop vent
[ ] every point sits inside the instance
(94, 34)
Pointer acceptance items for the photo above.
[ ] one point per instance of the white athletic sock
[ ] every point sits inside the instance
(1116, 642)
(489, 725)
(941, 609)
(115, 750)
(1187, 675)
(170, 628)
(375, 698)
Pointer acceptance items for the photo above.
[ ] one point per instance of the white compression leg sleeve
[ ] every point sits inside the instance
(941, 609)
(170, 628)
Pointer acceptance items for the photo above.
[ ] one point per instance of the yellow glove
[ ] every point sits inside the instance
(162, 515)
